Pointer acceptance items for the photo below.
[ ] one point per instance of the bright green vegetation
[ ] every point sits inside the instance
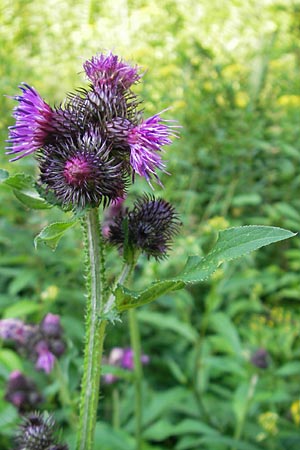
(229, 70)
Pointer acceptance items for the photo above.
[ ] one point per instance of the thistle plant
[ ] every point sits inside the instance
(89, 151)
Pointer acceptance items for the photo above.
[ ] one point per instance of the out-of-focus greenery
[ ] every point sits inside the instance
(229, 70)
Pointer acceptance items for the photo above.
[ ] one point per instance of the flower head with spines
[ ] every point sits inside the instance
(149, 227)
(37, 432)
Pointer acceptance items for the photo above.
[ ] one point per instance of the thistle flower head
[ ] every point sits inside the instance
(146, 141)
(82, 173)
(33, 123)
(37, 432)
(51, 326)
(260, 358)
(151, 225)
(45, 358)
(15, 330)
(22, 392)
(110, 70)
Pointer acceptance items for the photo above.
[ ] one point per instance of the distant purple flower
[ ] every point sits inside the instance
(51, 326)
(33, 123)
(145, 141)
(41, 343)
(110, 70)
(22, 392)
(260, 358)
(123, 358)
(45, 358)
(14, 329)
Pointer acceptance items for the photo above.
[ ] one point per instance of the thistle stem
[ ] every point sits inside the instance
(95, 331)
(138, 374)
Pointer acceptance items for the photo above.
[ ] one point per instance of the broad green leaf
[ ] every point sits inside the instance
(163, 429)
(23, 187)
(10, 360)
(21, 309)
(232, 243)
(165, 401)
(3, 175)
(19, 181)
(290, 368)
(108, 438)
(224, 327)
(211, 442)
(8, 418)
(31, 200)
(168, 323)
(52, 234)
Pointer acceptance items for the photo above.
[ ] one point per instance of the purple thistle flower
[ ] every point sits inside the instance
(51, 326)
(41, 343)
(260, 358)
(152, 223)
(46, 359)
(14, 329)
(145, 141)
(22, 392)
(110, 70)
(82, 173)
(33, 123)
(124, 358)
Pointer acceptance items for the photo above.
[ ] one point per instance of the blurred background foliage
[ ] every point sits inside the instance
(229, 72)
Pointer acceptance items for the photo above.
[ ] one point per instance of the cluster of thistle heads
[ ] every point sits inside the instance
(90, 148)
(41, 343)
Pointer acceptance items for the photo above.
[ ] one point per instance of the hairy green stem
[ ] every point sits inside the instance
(126, 272)
(138, 374)
(95, 331)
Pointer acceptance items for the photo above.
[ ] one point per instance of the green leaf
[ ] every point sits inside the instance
(3, 175)
(52, 233)
(23, 186)
(169, 323)
(10, 360)
(21, 309)
(224, 327)
(19, 181)
(31, 200)
(232, 243)
(290, 368)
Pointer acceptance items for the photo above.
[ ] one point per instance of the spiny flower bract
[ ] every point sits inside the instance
(37, 432)
(151, 225)
(82, 173)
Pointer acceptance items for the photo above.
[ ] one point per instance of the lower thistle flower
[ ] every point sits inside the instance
(151, 226)
(22, 392)
(82, 173)
(37, 432)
